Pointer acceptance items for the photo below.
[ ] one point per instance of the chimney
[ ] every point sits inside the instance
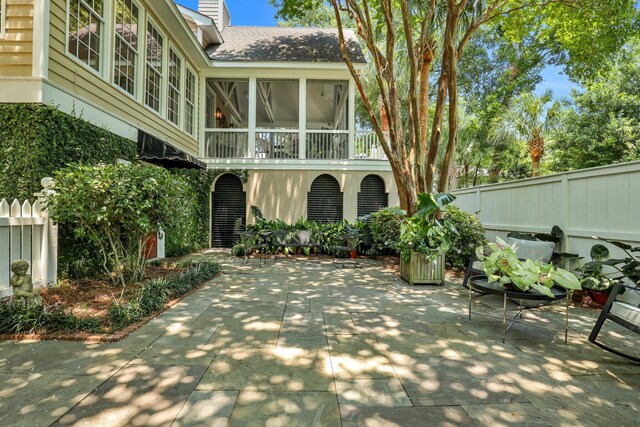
(214, 9)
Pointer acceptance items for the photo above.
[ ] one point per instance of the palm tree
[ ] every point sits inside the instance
(531, 119)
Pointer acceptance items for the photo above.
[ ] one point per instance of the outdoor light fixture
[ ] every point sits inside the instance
(218, 113)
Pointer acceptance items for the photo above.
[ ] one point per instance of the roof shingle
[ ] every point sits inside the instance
(275, 44)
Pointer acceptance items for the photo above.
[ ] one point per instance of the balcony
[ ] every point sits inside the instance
(285, 144)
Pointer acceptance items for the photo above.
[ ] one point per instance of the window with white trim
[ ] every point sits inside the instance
(85, 31)
(2, 18)
(190, 90)
(154, 76)
(126, 48)
(174, 87)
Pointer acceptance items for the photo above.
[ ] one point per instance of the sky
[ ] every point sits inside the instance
(259, 12)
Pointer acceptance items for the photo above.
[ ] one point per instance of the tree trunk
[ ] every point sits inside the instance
(425, 72)
(536, 151)
(453, 17)
(436, 127)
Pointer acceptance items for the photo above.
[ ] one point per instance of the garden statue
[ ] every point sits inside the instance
(21, 281)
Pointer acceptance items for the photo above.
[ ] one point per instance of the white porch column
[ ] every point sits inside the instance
(202, 107)
(252, 117)
(352, 118)
(302, 119)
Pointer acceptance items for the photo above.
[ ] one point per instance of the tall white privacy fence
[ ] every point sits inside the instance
(603, 202)
(27, 233)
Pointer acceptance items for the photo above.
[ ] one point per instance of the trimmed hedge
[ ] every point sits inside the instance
(37, 140)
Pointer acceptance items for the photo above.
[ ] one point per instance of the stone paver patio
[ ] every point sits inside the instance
(305, 344)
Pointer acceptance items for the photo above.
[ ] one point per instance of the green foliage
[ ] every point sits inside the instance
(470, 235)
(155, 293)
(21, 316)
(37, 140)
(117, 207)
(579, 35)
(424, 232)
(191, 233)
(384, 227)
(502, 265)
(327, 235)
(602, 272)
(604, 126)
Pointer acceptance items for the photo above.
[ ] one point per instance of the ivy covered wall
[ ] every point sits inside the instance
(36, 140)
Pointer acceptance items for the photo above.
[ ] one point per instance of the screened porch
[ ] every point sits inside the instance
(279, 119)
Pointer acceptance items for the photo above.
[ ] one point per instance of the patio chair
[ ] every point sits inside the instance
(280, 241)
(248, 241)
(525, 249)
(304, 239)
(346, 243)
(624, 314)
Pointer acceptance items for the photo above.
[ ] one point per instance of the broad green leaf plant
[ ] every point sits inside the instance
(424, 232)
(503, 266)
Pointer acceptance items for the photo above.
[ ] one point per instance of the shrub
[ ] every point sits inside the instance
(384, 229)
(463, 244)
(117, 207)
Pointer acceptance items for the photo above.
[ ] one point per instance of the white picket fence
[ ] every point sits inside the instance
(27, 233)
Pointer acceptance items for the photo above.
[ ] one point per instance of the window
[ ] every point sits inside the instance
(126, 49)
(154, 77)
(173, 88)
(85, 31)
(190, 89)
(2, 15)
(372, 196)
(324, 201)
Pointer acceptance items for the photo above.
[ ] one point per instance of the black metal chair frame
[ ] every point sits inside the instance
(607, 315)
(344, 248)
(281, 241)
(304, 239)
(248, 240)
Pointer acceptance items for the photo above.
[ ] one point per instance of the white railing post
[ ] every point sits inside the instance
(253, 85)
(352, 119)
(302, 119)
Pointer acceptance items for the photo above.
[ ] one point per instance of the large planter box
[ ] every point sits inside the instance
(419, 270)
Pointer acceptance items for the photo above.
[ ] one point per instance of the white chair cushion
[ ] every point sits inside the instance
(530, 249)
(628, 312)
(477, 265)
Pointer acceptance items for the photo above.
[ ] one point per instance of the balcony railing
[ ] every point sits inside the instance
(285, 144)
(331, 145)
(367, 146)
(227, 143)
(277, 144)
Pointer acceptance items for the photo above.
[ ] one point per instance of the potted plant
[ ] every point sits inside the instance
(597, 274)
(424, 240)
(502, 266)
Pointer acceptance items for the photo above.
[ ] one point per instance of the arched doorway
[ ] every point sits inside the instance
(324, 201)
(228, 203)
(372, 196)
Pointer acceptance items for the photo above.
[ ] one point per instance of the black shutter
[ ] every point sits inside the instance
(324, 201)
(228, 203)
(372, 196)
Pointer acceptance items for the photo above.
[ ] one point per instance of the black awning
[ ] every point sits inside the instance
(156, 151)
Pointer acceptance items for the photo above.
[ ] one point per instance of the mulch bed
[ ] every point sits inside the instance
(92, 297)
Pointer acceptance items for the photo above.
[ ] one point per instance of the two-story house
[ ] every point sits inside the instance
(194, 90)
